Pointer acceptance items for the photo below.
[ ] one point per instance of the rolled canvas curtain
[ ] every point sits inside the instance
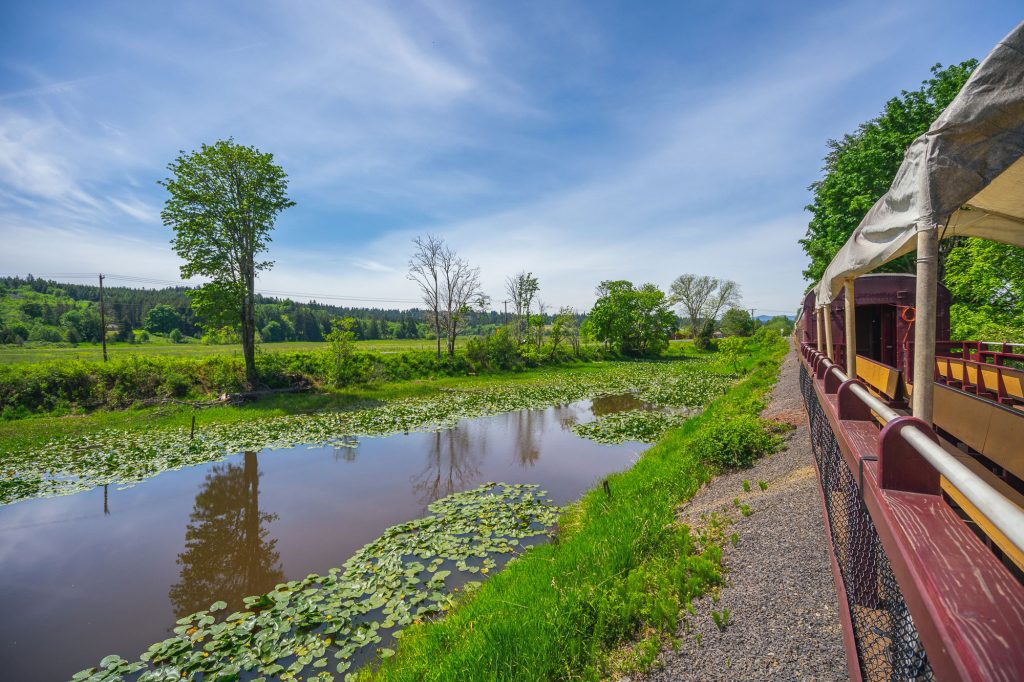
(965, 175)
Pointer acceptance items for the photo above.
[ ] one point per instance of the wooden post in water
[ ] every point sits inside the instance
(924, 321)
(850, 331)
(192, 434)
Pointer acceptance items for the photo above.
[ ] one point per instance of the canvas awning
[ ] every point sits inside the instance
(964, 176)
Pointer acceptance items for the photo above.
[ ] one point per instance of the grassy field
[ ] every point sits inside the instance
(161, 347)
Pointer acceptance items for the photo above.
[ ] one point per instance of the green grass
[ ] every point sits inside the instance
(621, 570)
(162, 347)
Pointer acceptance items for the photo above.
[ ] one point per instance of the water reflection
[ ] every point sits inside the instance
(610, 404)
(228, 554)
(528, 427)
(348, 449)
(64, 564)
(452, 464)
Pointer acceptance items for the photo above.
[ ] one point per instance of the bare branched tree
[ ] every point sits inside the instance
(703, 298)
(461, 292)
(425, 270)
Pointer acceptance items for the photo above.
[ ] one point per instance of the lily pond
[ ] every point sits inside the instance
(253, 554)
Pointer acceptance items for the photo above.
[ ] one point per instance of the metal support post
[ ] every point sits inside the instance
(850, 331)
(829, 348)
(924, 322)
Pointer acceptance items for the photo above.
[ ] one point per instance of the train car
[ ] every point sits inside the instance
(917, 439)
(885, 314)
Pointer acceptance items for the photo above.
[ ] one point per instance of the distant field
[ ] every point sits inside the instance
(9, 355)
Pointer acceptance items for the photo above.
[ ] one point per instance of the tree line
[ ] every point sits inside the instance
(33, 309)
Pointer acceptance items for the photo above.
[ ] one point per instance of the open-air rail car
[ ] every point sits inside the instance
(918, 441)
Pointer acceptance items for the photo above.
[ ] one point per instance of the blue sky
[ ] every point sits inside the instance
(583, 141)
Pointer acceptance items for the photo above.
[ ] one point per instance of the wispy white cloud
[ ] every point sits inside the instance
(137, 209)
(544, 137)
(371, 265)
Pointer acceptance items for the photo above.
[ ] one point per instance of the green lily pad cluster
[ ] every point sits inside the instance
(643, 426)
(313, 628)
(120, 457)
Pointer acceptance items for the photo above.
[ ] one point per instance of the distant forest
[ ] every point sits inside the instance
(41, 310)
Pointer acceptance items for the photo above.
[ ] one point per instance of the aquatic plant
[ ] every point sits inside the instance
(69, 465)
(317, 625)
(643, 426)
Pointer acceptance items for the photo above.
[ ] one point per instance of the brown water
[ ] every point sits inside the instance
(109, 571)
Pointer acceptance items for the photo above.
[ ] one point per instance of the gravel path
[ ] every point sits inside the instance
(784, 623)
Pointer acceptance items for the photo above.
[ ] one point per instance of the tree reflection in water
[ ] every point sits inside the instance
(227, 553)
(347, 450)
(611, 404)
(529, 424)
(453, 464)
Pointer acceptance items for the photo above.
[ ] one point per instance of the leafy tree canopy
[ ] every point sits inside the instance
(986, 281)
(162, 319)
(223, 200)
(737, 322)
(860, 167)
(633, 320)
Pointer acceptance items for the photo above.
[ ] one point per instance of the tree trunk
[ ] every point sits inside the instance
(437, 333)
(249, 328)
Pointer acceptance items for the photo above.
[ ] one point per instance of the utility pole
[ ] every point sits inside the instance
(506, 310)
(103, 321)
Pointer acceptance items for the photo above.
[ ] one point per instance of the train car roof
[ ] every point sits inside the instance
(964, 176)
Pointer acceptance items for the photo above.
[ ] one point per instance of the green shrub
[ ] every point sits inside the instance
(735, 442)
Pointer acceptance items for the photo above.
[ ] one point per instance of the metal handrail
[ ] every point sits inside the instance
(1006, 516)
(886, 413)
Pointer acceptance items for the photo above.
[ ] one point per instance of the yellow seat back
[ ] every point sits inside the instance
(956, 370)
(1003, 443)
(1013, 382)
(989, 378)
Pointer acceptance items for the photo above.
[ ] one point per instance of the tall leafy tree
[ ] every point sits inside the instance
(860, 167)
(633, 320)
(737, 322)
(986, 279)
(161, 319)
(222, 204)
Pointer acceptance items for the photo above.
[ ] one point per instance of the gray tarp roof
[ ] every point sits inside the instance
(965, 175)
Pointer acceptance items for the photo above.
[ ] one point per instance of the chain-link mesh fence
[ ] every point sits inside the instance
(888, 647)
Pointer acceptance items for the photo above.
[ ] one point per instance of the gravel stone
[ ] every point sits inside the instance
(784, 619)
